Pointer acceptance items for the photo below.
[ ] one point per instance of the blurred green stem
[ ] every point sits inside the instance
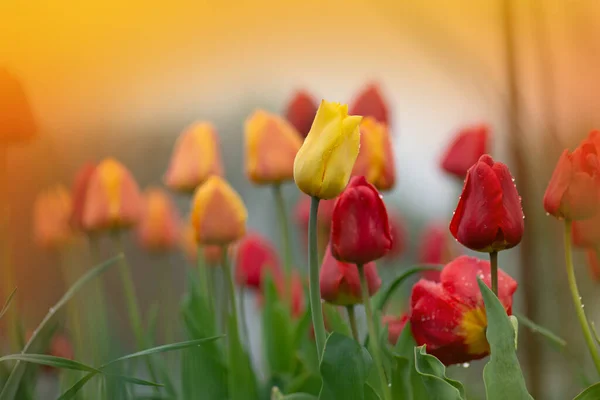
(98, 318)
(285, 236)
(585, 327)
(69, 272)
(245, 330)
(494, 271)
(352, 320)
(387, 395)
(205, 284)
(313, 276)
(231, 288)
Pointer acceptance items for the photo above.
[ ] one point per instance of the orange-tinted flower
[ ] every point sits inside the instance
(79, 194)
(254, 256)
(158, 229)
(449, 316)
(395, 326)
(375, 158)
(301, 112)
(370, 103)
(465, 149)
(586, 233)
(212, 253)
(196, 156)
(436, 248)
(271, 147)
(51, 213)
(113, 198)
(17, 123)
(218, 213)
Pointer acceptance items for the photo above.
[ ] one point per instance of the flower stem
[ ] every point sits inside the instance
(585, 327)
(387, 395)
(229, 279)
(285, 235)
(205, 284)
(352, 320)
(313, 279)
(494, 265)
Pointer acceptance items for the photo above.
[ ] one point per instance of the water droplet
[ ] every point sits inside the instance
(466, 365)
(583, 305)
(523, 216)
(579, 298)
(389, 385)
(513, 179)
(547, 214)
(51, 310)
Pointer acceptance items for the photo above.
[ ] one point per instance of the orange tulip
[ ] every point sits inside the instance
(196, 156)
(218, 213)
(159, 226)
(375, 159)
(113, 198)
(16, 118)
(52, 210)
(79, 193)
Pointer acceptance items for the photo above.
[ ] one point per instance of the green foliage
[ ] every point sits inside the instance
(386, 293)
(591, 393)
(556, 341)
(241, 378)
(334, 320)
(406, 381)
(433, 375)
(7, 303)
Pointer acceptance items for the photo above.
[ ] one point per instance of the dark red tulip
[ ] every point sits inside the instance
(437, 247)
(371, 103)
(465, 149)
(449, 316)
(488, 216)
(360, 229)
(395, 326)
(79, 193)
(301, 112)
(254, 256)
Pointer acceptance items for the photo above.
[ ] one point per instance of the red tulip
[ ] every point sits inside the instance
(488, 216)
(398, 232)
(449, 316)
(370, 103)
(340, 281)
(301, 111)
(298, 305)
(435, 248)
(395, 326)
(360, 229)
(586, 233)
(79, 193)
(17, 123)
(593, 264)
(255, 255)
(465, 149)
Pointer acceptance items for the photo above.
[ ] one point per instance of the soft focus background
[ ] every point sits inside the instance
(123, 79)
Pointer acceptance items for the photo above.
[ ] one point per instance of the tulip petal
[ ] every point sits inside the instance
(559, 183)
(511, 222)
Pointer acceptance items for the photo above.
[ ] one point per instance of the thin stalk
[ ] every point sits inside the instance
(73, 309)
(313, 279)
(205, 284)
(494, 269)
(285, 235)
(585, 327)
(245, 330)
(231, 288)
(98, 318)
(387, 395)
(352, 320)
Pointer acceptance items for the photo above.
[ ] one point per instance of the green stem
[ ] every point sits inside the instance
(585, 327)
(231, 288)
(387, 395)
(352, 320)
(205, 284)
(494, 270)
(245, 330)
(285, 235)
(73, 309)
(313, 276)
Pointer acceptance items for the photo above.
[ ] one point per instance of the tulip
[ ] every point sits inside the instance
(449, 316)
(340, 281)
(370, 103)
(218, 213)
(301, 111)
(435, 248)
(79, 194)
(375, 160)
(398, 233)
(465, 149)
(323, 164)
(113, 199)
(360, 229)
(395, 326)
(212, 253)
(255, 255)
(159, 225)
(593, 258)
(196, 156)
(60, 346)
(586, 233)
(17, 123)
(298, 303)
(52, 209)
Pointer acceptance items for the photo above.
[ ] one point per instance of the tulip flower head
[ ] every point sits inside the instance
(271, 146)
(79, 194)
(51, 213)
(323, 164)
(158, 229)
(465, 149)
(113, 199)
(395, 326)
(17, 123)
(254, 256)
(489, 216)
(449, 316)
(196, 156)
(360, 228)
(375, 160)
(371, 103)
(436, 248)
(301, 112)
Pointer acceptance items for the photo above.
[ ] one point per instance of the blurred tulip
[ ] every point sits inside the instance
(17, 123)
(301, 112)
(593, 264)
(586, 233)
(51, 213)
(465, 149)
(113, 199)
(488, 216)
(436, 248)
(218, 213)
(395, 326)
(298, 304)
(271, 146)
(398, 233)
(79, 194)
(159, 225)
(212, 253)
(254, 256)
(196, 156)
(60, 346)
(360, 230)
(449, 316)
(375, 160)
(340, 281)
(324, 163)
(370, 103)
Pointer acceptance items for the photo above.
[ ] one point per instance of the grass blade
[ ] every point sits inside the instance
(389, 291)
(51, 361)
(135, 381)
(72, 392)
(7, 303)
(535, 328)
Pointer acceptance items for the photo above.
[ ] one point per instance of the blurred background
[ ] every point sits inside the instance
(123, 79)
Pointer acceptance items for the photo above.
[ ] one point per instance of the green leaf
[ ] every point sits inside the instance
(7, 303)
(51, 361)
(558, 342)
(73, 390)
(277, 331)
(335, 321)
(502, 374)
(344, 368)
(406, 381)
(386, 294)
(370, 393)
(591, 393)
(242, 381)
(433, 375)
(277, 395)
(135, 381)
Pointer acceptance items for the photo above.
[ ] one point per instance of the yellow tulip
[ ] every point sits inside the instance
(324, 163)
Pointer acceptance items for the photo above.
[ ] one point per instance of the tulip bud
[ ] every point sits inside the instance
(196, 156)
(360, 230)
(51, 212)
(212, 253)
(395, 326)
(218, 213)
(465, 149)
(488, 216)
(271, 146)
(79, 194)
(340, 281)
(301, 112)
(436, 248)
(17, 123)
(324, 163)
(159, 225)
(254, 256)
(113, 199)
(375, 160)
(370, 103)
(449, 316)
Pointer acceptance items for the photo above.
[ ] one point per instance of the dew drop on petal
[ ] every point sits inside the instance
(466, 365)
(547, 214)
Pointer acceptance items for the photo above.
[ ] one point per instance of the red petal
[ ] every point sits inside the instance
(511, 222)
(559, 183)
